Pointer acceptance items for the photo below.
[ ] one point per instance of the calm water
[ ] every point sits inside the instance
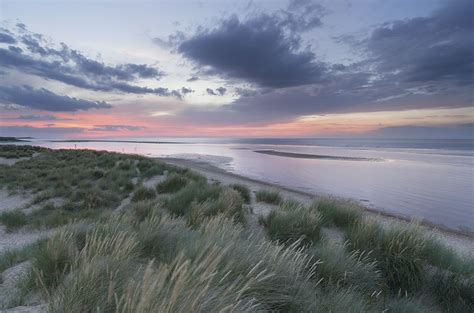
(427, 179)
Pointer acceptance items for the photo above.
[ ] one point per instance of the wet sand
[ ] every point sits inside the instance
(314, 156)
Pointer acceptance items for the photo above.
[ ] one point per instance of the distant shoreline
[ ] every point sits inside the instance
(14, 139)
(314, 156)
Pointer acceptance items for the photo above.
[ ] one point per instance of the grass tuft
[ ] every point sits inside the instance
(142, 193)
(243, 191)
(349, 269)
(13, 220)
(341, 213)
(172, 183)
(454, 292)
(268, 196)
(398, 251)
(292, 222)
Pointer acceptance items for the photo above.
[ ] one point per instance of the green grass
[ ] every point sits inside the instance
(180, 202)
(243, 191)
(454, 292)
(18, 151)
(143, 193)
(292, 222)
(268, 196)
(398, 251)
(340, 213)
(195, 249)
(437, 254)
(13, 220)
(338, 266)
(172, 183)
(9, 258)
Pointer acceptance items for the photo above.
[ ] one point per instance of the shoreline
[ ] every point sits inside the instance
(216, 173)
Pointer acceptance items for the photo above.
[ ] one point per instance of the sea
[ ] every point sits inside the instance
(429, 180)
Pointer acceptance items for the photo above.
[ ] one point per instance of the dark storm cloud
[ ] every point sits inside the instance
(42, 99)
(104, 128)
(262, 50)
(6, 38)
(425, 49)
(73, 68)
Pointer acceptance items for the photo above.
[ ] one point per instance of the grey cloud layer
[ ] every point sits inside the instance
(73, 68)
(42, 99)
(416, 63)
(264, 49)
(434, 48)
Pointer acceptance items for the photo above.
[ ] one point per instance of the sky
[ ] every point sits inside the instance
(296, 68)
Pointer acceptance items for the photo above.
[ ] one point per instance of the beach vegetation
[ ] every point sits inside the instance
(338, 212)
(293, 222)
(196, 247)
(268, 196)
(172, 183)
(143, 193)
(13, 219)
(244, 192)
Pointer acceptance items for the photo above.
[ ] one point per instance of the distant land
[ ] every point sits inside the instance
(14, 139)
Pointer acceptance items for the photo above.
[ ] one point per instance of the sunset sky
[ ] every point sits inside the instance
(370, 68)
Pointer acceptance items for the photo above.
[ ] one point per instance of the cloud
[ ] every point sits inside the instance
(456, 131)
(221, 90)
(438, 47)
(6, 38)
(211, 92)
(417, 63)
(260, 50)
(41, 118)
(73, 68)
(302, 15)
(42, 99)
(29, 131)
(192, 79)
(185, 91)
(216, 92)
(106, 128)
